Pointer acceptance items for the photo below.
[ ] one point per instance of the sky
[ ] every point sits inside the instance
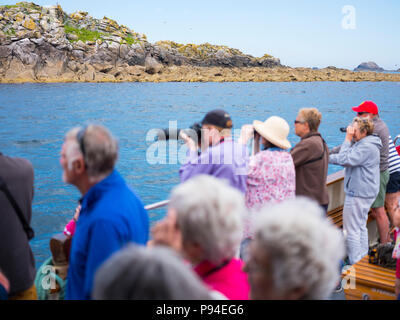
(302, 33)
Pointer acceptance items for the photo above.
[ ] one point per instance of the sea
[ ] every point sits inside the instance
(35, 117)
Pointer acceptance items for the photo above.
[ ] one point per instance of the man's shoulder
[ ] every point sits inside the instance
(19, 166)
(304, 143)
(127, 200)
(380, 126)
(14, 161)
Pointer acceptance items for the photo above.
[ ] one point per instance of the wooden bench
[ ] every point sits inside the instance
(370, 282)
(336, 216)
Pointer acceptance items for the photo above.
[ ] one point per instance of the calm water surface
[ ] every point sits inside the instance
(35, 117)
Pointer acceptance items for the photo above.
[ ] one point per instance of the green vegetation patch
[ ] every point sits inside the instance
(10, 32)
(83, 34)
(130, 40)
(201, 51)
(9, 6)
(266, 56)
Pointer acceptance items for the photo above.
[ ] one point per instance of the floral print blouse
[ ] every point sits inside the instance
(271, 179)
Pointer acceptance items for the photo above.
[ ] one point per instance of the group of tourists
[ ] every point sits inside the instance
(238, 226)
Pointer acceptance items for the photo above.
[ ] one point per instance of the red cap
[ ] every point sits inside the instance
(366, 106)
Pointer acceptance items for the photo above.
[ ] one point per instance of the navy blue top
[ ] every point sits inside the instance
(3, 293)
(111, 216)
(276, 149)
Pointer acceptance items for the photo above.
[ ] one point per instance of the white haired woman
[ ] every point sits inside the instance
(295, 252)
(204, 222)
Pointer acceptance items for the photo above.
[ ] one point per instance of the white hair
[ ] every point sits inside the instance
(210, 214)
(101, 150)
(303, 247)
(72, 147)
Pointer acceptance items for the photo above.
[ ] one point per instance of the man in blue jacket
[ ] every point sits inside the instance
(111, 214)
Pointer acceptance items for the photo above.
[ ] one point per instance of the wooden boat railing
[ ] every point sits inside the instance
(157, 205)
(336, 193)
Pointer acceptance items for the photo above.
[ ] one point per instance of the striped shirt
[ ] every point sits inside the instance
(394, 157)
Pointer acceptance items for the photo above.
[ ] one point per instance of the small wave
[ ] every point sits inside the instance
(33, 142)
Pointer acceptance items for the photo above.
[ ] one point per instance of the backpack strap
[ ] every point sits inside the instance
(28, 230)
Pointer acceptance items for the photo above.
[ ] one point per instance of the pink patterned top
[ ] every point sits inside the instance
(271, 178)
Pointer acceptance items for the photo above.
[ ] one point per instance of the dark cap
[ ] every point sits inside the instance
(218, 118)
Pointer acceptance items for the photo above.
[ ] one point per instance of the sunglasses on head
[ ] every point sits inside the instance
(79, 137)
(297, 121)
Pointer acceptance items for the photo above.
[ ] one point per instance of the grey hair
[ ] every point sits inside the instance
(210, 214)
(303, 247)
(72, 148)
(101, 150)
(154, 273)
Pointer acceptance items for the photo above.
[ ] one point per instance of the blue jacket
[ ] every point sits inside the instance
(111, 216)
(361, 162)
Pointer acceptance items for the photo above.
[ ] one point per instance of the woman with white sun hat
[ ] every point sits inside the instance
(271, 172)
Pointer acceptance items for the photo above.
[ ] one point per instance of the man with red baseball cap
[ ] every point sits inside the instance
(370, 110)
(367, 107)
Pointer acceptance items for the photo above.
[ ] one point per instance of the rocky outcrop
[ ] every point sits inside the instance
(152, 66)
(369, 66)
(46, 44)
(207, 55)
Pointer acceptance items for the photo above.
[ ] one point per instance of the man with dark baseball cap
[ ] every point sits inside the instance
(218, 118)
(370, 110)
(221, 156)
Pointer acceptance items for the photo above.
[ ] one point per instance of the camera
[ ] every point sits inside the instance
(194, 132)
(343, 129)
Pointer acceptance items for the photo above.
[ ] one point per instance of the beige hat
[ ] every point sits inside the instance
(275, 130)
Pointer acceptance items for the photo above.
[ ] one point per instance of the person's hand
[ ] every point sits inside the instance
(246, 133)
(350, 133)
(77, 212)
(191, 145)
(167, 233)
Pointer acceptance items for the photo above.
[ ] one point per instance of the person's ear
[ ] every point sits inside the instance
(197, 249)
(193, 251)
(79, 165)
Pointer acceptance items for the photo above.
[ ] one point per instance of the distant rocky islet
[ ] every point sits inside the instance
(369, 66)
(45, 44)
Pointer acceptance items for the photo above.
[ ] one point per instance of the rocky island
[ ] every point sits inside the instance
(369, 66)
(45, 44)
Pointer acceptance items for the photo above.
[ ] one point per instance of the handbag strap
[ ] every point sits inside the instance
(319, 158)
(28, 230)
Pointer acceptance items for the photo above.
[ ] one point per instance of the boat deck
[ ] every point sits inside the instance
(371, 282)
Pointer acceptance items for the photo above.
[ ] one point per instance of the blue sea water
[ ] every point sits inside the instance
(35, 117)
